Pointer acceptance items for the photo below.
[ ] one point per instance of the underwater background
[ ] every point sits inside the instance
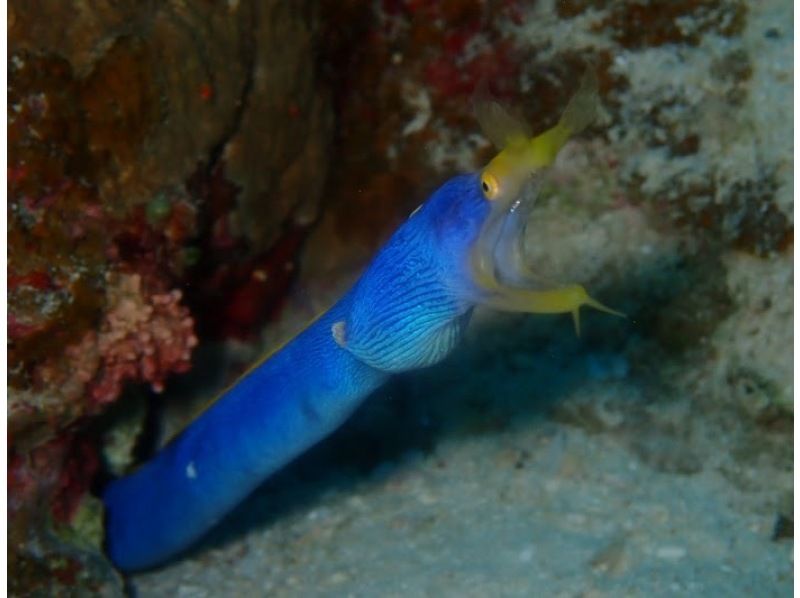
(190, 183)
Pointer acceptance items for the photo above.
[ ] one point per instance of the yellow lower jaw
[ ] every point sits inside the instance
(496, 294)
(568, 299)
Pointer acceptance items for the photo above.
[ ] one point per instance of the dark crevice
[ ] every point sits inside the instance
(250, 49)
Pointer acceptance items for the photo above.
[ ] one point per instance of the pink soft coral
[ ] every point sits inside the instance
(144, 337)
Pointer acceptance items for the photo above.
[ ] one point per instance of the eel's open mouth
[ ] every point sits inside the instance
(498, 256)
(505, 277)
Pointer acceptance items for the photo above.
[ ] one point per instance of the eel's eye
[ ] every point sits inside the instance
(490, 186)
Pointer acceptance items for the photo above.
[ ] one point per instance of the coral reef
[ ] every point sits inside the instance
(54, 525)
(163, 161)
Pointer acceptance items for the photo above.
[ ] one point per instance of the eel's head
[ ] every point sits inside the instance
(509, 184)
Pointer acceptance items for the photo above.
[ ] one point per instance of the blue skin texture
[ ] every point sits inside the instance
(406, 311)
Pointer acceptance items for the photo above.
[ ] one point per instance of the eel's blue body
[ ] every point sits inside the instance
(406, 311)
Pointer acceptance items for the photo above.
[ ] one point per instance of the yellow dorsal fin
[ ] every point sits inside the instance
(502, 125)
(582, 107)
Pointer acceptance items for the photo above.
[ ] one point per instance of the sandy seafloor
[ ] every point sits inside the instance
(532, 463)
(503, 472)
(578, 517)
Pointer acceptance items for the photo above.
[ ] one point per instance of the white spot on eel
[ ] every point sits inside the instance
(339, 333)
